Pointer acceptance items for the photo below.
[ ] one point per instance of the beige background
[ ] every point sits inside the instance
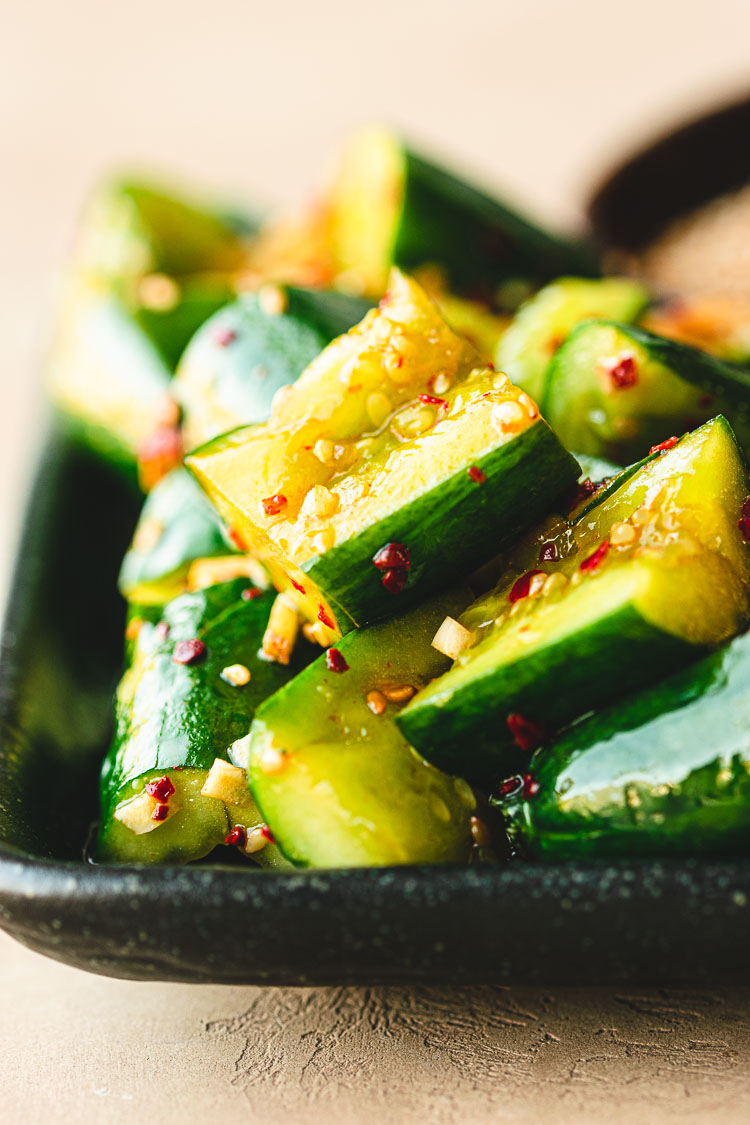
(536, 95)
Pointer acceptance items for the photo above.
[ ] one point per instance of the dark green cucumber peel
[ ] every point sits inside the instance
(616, 651)
(245, 353)
(182, 716)
(170, 330)
(450, 528)
(190, 530)
(352, 792)
(664, 772)
(717, 387)
(478, 240)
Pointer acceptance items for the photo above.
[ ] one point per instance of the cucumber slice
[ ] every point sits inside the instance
(614, 390)
(397, 433)
(389, 206)
(665, 772)
(643, 581)
(545, 321)
(175, 719)
(343, 788)
(253, 347)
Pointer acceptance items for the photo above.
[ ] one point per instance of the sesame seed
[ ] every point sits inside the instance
(272, 300)
(528, 403)
(399, 693)
(236, 674)
(377, 702)
(323, 450)
(622, 534)
(256, 840)
(379, 406)
(508, 417)
(159, 292)
(480, 833)
(272, 760)
(441, 383)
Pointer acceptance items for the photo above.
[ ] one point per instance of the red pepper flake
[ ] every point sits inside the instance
(335, 661)
(476, 474)
(596, 558)
(664, 445)
(161, 788)
(237, 539)
(250, 593)
(433, 400)
(622, 371)
(162, 630)
(385, 299)
(510, 787)
(582, 491)
(272, 505)
(224, 337)
(161, 812)
(325, 618)
(189, 652)
(267, 834)
(300, 589)
(395, 580)
(526, 733)
(237, 837)
(520, 588)
(530, 786)
(159, 453)
(549, 552)
(743, 523)
(394, 556)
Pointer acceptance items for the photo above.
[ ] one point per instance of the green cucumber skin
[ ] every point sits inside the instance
(268, 351)
(389, 782)
(188, 715)
(171, 330)
(192, 530)
(605, 660)
(479, 241)
(664, 773)
(727, 383)
(449, 530)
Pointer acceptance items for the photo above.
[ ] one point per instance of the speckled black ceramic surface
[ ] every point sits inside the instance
(676, 924)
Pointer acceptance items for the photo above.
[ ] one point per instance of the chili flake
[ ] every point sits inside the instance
(335, 661)
(272, 505)
(189, 652)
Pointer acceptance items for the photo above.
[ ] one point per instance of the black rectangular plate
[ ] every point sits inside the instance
(667, 924)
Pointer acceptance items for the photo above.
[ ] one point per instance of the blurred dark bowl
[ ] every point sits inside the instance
(690, 165)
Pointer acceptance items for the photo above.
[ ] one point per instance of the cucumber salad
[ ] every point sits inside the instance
(443, 554)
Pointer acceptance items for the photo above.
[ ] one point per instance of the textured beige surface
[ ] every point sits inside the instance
(534, 94)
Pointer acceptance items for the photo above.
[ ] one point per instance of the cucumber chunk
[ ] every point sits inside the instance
(242, 356)
(644, 580)
(174, 719)
(545, 321)
(342, 787)
(614, 390)
(665, 772)
(396, 434)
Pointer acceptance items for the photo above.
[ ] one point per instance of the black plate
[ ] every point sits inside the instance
(676, 924)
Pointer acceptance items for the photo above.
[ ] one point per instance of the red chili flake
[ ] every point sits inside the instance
(224, 336)
(595, 558)
(530, 786)
(385, 299)
(324, 617)
(161, 812)
(555, 343)
(162, 630)
(267, 834)
(548, 552)
(272, 505)
(510, 787)
(395, 580)
(433, 400)
(476, 474)
(159, 453)
(237, 539)
(335, 662)
(250, 593)
(394, 556)
(526, 733)
(399, 362)
(236, 837)
(583, 490)
(520, 588)
(664, 445)
(743, 523)
(300, 589)
(622, 371)
(161, 788)
(189, 652)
